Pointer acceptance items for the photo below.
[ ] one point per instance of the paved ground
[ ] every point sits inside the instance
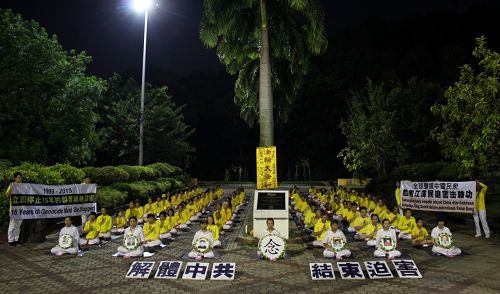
(31, 269)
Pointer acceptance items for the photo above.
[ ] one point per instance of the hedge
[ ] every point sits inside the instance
(116, 184)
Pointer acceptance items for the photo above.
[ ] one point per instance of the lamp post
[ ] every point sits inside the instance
(143, 5)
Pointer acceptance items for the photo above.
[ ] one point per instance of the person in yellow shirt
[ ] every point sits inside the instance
(165, 226)
(480, 210)
(139, 211)
(165, 202)
(420, 236)
(406, 225)
(91, 231)
(174, 222)
(212, 227)
(369, 232)
(371, 204)
(320, 228)
(397, 216)
(158, 206)
(380, 207)
(119, 224)
(359, 222)
(149, 208)
(397, 195)
(151, 232)
(351, 215)
(104, 224)
(182, 218)
(130, 212)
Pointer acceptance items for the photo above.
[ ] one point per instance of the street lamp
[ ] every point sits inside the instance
(143, 6)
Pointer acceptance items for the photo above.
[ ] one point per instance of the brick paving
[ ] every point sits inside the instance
(31, 269)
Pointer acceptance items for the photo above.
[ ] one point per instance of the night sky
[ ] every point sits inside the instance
(111, 31)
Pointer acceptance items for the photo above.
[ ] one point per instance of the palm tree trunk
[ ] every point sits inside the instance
(266, 119)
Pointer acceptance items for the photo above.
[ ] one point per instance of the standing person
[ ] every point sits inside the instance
(397, 194)
(14, 224)
(480, 210)
(86, 181)
(69, 230)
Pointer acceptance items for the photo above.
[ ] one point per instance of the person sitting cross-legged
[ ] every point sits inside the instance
(420, 236)
(441, 238)
(135, 231)
(406, 225)
(91, 231)
(212, 227)
(104, 223)
(334, 242)
(120, 223)
(369, 232)
(207, 235)
(359, 222)
(320, 228)
(386, 242)
(71, 232)
(165, 226)
(151, 232)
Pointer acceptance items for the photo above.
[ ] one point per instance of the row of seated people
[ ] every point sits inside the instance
(154, 230)
(100, 227)
(362, 221)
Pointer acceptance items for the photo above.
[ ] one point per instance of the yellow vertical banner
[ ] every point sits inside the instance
(267, 174)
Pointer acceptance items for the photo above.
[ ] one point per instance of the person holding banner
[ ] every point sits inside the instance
(480, 211)
(397, 194)
(386, 242)
(320, 228)
(334, 242)
(68, 239)
(86, 181)
(406, 225)
(14, 224)
(442, 240)
(202, 242)
(133, 239)
(104, 223)
(91, 230)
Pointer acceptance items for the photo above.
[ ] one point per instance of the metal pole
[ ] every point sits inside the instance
(141, 122)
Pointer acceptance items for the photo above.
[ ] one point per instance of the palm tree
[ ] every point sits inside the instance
(242, 32)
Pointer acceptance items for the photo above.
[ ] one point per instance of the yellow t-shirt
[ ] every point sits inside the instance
(322, 227)
(406, 225)
(418, 234)
(370, 229)
(480, 203)
(359, 221)
(398, 196)
(131, 212)
(149, 208)
(92, 230)
(104, 223)
(151, 231)
(164, 226)
(120, 221)
(215, 231)
(158, 207)
(139, 212)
